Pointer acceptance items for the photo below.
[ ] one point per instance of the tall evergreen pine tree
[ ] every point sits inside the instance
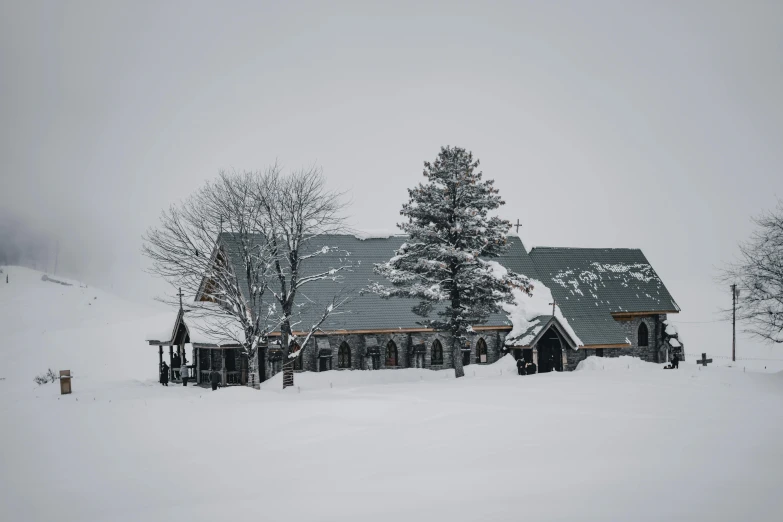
(443, 263)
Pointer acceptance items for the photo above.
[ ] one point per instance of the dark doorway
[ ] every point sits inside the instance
(550, 353)
(436, 357)
(324, 364)
(391, 354)
(481, 352)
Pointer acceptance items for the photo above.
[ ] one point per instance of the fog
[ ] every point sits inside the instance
(654, 125)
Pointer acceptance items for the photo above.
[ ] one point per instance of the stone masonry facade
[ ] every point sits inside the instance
(655, 351)
(407, 353)
(408, 345)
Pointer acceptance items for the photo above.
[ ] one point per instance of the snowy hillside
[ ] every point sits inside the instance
(619, 439)
(53, 322)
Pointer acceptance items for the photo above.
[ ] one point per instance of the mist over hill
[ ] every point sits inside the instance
(24, 244)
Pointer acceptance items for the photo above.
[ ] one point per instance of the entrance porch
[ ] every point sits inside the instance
(545, 344)
(201, 356)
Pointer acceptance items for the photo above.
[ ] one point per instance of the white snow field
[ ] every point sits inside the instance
(618, 440)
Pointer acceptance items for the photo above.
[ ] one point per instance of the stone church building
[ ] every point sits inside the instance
(608, 302)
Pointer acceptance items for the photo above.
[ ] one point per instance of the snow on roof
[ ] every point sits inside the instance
(527, 310)
(671, 330)
(376, 234)
(161, 327)
(674, 343)
(619, 280)
(526, 337)
(208, 325)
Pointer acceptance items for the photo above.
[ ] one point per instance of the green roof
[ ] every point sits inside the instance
(590, 284)
(366, 311)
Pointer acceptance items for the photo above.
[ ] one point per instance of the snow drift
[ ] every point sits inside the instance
(352, 446)
(624, 362)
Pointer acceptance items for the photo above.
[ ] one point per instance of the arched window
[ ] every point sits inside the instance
(391, 354)
(481, 351)
(298, 361)
(344, 356)
(643, 334)
(437, 353)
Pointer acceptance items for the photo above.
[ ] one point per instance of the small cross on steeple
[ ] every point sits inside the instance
(180, 298)
(518, 225)
(553, 303)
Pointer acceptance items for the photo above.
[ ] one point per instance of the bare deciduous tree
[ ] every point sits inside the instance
(189, 250)
(239, 245)
(297, 210)
(759, 276)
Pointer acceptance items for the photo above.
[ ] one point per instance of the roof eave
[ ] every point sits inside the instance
(643, 313)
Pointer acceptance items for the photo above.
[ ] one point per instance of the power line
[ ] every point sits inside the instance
(738, 358)
(697, 322)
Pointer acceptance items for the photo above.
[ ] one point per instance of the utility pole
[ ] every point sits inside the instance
(734, 294)
(56, 256)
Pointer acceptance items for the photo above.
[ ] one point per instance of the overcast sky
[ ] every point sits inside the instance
(655, 125)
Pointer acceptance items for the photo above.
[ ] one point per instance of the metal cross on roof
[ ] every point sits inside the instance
(704, 361)
(180, 298)
(518, 225)
(553, 303)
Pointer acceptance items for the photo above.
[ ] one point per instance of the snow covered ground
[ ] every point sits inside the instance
(616, 440)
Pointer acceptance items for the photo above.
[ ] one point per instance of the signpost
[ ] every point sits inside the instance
(65, 382)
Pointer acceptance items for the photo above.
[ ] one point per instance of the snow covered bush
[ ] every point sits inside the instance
(47, 377)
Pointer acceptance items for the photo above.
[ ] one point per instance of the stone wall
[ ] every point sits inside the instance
(404, 341)
(653, 352)
(574, 357)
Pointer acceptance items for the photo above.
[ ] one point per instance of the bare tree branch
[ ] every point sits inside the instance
(759, 276)
(239, 246)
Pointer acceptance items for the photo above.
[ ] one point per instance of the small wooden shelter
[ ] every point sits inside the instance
(203, 353)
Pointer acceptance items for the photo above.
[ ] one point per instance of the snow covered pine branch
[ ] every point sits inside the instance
(450, 236)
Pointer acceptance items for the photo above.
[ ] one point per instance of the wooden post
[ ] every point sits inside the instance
(160, 358)
(196, 365)
(171, 363)
(179, 354)
(535, 357)
(65, 382)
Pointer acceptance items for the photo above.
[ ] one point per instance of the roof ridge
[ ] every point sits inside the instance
(582, 248)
